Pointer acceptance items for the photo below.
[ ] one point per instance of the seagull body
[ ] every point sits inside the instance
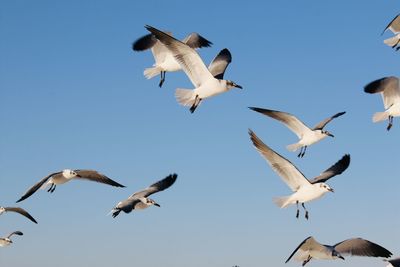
(389, 88)
(311, 249)
(393, 26)
(140, 200)
(304, 190)
(206, 84)
(164, 60)
(306, 135)
(17, 210)
(67, 175)
(6, 241)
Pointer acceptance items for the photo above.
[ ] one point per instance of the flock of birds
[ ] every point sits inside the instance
(170, 55)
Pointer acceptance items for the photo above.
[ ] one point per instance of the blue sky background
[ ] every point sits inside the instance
(73, 95)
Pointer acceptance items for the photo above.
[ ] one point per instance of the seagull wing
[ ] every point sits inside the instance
(307, 245)
(144, 43)
(283, 167)
(388, 86)
(156, 187)
(394, 25)
(219, 64)
(21, 211)
(35, 187)
(361, 247)
(293, 123)
(195, 40)
(15, 233)
(395, 262)
(322, 124)
(95, 176)
(333, 170)
(186, 56)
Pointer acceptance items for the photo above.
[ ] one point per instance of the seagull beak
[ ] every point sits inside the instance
(78, 176)
(156, 204)
(331, 189)
(341, 257)
(331, 135)
(238, 86)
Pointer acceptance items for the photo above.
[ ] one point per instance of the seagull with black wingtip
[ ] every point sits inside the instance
(393, 26)
(6, 241)
(17, 210)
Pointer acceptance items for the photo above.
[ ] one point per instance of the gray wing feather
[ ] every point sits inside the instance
(388, 86)
(144, 43)
(35, 187)
(156, 187)
(219, 64)
(361, 247)
(334, 170)
(308, 244)
(322, 124)
(95, 176)
(394, 25)
(195, 40)
(20, 211)
(283, 167)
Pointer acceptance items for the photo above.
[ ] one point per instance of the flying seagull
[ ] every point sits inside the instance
(206, 85)
(164, 60)
(310, 248)
(66, 175)
(394, 263)
(390, 91)
(304, 190)
(6, 241)
(17, 210)
(306, 135)
(140, 200)
(393, 26)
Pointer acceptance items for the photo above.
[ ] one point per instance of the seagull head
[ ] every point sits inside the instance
(67, 173)
(2, 209)
(328, 133)
(150, 202)
(336, 255)
(231, 84)
(326, 187)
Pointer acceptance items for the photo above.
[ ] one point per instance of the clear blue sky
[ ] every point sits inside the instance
(73, 95)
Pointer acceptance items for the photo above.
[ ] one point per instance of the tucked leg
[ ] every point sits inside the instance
(297, 207)
(304, 207)
(304, 151)
(307, 260)
(54, 188)
(390, 123)
(301, 152)
(162, 74)
(51, 187)
(197, 101)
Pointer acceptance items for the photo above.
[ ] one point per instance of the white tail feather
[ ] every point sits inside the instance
(281, 202)
(392, 40)
(293, 147)
(380, 116)
(185, 97)
(151, 72)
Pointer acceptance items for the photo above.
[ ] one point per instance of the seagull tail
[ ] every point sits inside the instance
(293, 147)
(185, 97)
(281, 202)
(392, 40)
(151, 72)
(380, 116)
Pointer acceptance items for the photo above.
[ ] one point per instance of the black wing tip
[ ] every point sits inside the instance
(19, 200)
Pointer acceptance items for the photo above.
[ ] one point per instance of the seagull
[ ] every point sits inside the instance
(304, 190)
(390, 91)
(17, 210)
(310, 248)
(140, 200)
(164, 60)
(6, 241)
(66, 175)
(306, 135)
(206, 85)
(393, 26)
(394, 263)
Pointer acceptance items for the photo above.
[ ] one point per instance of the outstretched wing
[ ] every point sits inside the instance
(283, 167)
(156, 187)
(195, 40)
(309, 244)
(361, 247)
(95, 176)
(333, 170)
(36, 186)
(388, 86)
(186, 56)
(15, 233)
(293, 123)
(219, 64)
(20, 211)
(394, 25)
(322, 124)
(144, 43)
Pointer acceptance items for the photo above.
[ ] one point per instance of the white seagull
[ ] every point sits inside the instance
(140, 200)
(390, 91)
(17, 210)
(304, 190)
(311, 249)
(6, 241)
(206, 85)
(164, 60)
(306, 135)
(67, 175)
(393, 26)
(394, 263)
